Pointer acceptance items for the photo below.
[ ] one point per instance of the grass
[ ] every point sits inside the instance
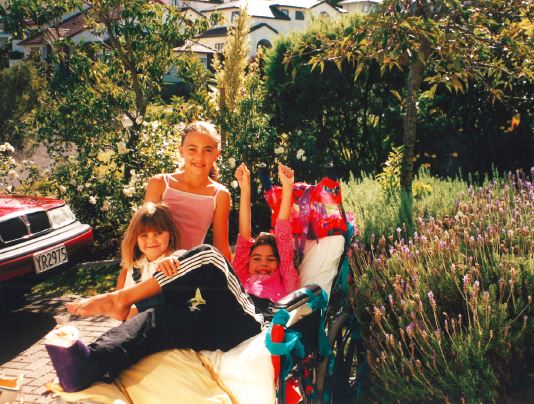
(83, 282)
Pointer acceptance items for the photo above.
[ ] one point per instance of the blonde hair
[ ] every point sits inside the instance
(149, 217)
(211, 131)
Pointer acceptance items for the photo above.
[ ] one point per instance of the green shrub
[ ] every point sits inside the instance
(447, 309)
(378, 211)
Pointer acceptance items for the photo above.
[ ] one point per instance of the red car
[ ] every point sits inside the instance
(38, 237)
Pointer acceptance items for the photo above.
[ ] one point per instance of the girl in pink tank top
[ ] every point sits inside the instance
(194, 196)
(265, 264)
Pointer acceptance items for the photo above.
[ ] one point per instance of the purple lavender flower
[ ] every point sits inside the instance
(390, 299)
(477, 284)
(430, 295)
(372, 238)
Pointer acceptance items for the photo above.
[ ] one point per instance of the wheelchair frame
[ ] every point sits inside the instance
(319, 381)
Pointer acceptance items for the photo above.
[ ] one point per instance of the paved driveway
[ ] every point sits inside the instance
(23, 327)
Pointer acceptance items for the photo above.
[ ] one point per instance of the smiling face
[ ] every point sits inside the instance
(153, 243)
(262, 261)
(199, 151)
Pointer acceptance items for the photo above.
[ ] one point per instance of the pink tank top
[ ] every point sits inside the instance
(192, 213)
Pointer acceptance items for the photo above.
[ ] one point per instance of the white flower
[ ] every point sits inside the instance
(122, 149)
(88, 185)
(234, 184)
(134, 208)
(303, 158)
(2, 148)
(132, 171)
(155, 124)
(73, 182)
(279, 150)
(9, 147)
(92, 200)
(9, 188)
(11, 160)
(300, 153)
(231, 161)
(181, 126)
(105, 205)
(62, 189)
(12, 174)
(79, 188)
(145, 185)
(128, 191)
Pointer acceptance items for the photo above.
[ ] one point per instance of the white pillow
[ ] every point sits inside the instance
(320, 262)
(246, 370)
(319, 266)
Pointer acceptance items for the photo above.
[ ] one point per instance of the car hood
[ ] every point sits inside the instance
(18, 203)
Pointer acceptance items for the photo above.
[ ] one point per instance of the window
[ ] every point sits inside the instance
(265, 44)
(324, 14)
(299, 15)
(219, 46)
(235, 14)
(204, 60)
(286, 12)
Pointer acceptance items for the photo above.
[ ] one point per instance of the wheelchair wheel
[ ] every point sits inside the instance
(346, 350)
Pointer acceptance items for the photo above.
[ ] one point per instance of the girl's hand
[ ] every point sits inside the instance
(242, 175)
(169, 266)
(287, 176)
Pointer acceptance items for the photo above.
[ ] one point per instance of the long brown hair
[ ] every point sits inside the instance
(207, 129)
(149, 217)
(266, 239)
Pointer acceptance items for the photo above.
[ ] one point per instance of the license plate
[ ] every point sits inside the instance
(50, 258)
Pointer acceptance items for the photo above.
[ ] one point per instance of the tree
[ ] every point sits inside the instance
(100, 118)
(440, 42)
(341, 120)
(230, 73)
(21, 90)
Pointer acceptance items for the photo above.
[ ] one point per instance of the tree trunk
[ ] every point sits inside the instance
(415, 79)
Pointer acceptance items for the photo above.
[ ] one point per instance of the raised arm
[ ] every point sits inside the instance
(283, 231)
(287, 178)
(242, 174)
(220, 224)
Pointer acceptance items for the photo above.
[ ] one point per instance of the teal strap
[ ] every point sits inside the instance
(291, 342)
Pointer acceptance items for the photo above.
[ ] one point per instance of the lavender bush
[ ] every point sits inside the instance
(447, 309)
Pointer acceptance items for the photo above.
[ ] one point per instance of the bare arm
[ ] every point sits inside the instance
(287, 178)
(242, 174)
(220, 224)
(121, 280)
(155, 189)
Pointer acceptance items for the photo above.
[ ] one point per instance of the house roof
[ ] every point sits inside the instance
(215, 32)
(220, 32)
(360, 1)
(194, 46)
(70, 27)
(258, 26)
(258, 9)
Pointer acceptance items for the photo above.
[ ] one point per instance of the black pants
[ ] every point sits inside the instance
(206, 308)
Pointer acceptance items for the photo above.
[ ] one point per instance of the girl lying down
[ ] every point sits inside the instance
(206, 306)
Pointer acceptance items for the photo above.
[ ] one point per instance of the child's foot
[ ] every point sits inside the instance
(107, 304)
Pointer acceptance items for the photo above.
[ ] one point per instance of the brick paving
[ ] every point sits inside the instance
(22, 332)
